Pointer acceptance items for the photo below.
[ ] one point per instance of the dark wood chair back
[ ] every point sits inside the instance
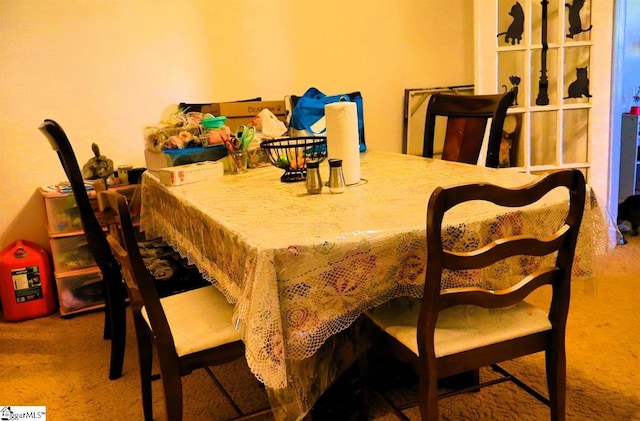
(115, 295)
(561, 243)
(454, 330)
(123, 242)
(467, 117)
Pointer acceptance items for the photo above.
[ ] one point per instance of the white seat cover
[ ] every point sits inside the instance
(459, 328)
(199, 319)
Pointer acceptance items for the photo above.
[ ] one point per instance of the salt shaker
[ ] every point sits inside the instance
(336, 176)
(314, 182)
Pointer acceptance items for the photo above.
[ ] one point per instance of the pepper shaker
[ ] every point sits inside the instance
(336, 176)
(314, 182)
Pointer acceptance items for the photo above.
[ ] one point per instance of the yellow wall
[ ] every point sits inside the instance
(105, 68)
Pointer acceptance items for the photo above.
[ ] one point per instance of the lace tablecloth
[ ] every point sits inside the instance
(301, 268)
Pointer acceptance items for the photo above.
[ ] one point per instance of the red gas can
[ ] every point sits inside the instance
(26, 286)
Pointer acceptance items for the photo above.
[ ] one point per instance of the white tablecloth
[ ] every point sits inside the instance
(302, 267)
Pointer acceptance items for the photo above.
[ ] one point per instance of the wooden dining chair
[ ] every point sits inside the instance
(189, 330)
(171, 273)
(466, 122)
(451, 331)
(115, 294)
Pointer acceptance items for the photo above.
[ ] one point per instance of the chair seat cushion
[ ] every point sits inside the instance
(459, 328)
(199, 319)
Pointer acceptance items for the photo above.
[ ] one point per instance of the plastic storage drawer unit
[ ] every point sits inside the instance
(63, 214)
(71, 253)
(80, 293)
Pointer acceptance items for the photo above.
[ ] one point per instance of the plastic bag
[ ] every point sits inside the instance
(268, 124)
(308, 112)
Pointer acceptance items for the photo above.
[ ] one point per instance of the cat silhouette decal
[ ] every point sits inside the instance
(515, 82)
(515, 30)
(575, 21)
(579, 87)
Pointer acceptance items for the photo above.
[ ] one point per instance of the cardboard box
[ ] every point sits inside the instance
(243, 112)
(173, 157)
(190, 173)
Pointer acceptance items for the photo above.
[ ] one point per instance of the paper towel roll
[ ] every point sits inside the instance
(342, 138)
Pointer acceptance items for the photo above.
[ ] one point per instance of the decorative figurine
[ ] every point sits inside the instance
(97, 167)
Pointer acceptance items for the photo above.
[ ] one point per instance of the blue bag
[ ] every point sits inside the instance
(308, 112)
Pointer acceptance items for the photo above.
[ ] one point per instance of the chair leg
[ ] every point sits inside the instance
(556, 365)
(145, 360)
(429, 397)
(107, 311)
(172, 383)
(363, 368)
(116, 318)
(223, 390)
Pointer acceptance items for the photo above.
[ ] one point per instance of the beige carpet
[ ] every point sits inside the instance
(63, 364)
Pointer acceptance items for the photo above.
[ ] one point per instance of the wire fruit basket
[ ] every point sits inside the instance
(292, 154)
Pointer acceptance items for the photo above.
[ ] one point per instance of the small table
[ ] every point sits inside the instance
(301, 268)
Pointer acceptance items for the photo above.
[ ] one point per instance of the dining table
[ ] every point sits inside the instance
(301, 268)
